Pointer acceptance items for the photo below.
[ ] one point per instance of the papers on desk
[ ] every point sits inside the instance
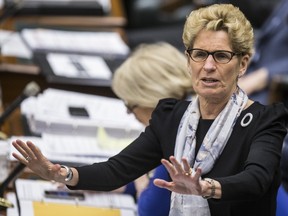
(100, 43)
(34, 203)
(74, 150)
(102, 133)
(12, 45)
(79, 66)
(105, 44)
(49, 112)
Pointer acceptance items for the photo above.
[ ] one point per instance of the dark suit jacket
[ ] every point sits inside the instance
(248, 168)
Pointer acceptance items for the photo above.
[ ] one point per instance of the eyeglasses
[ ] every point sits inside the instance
(220, 56)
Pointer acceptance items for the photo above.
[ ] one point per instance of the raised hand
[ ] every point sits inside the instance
(31, 156)
(184, 179)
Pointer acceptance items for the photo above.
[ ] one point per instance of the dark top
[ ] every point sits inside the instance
(248, 168)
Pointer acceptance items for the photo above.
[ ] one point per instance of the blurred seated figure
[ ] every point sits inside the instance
(152, 72)
(271, 54)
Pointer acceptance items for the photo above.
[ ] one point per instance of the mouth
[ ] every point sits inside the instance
(209, 80)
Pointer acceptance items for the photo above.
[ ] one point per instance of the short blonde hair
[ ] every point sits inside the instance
(152, 72)
(219, 17)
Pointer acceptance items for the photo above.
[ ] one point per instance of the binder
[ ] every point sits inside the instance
(41, 59)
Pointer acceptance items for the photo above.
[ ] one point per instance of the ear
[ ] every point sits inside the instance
(243, 65)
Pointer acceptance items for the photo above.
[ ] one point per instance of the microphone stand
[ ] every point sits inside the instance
(15, 172)
(31, 89)
(4, 203)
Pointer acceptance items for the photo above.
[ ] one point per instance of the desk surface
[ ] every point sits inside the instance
(116, 18)
(15, 76)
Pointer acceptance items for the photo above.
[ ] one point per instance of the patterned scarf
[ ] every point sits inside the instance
(211, 148)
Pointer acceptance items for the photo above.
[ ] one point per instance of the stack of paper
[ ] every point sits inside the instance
(100, 43)
(33, 202)
(78, 128)
(74, 149)
(51, 112)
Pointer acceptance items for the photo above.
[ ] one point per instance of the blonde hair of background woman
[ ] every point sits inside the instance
(152, 72)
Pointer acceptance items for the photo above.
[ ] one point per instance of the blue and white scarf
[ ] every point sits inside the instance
(211, 148)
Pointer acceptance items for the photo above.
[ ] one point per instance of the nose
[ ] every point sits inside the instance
(209, 63)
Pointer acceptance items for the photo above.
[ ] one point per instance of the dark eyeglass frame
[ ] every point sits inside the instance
(189, 52)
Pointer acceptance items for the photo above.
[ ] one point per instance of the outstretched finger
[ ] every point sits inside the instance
(20, 147)
(177, 165)
(163, 184)
(169, 166)
(186, 166)
(36, 151)
(20, 158)
(198, 173)
(28, 150)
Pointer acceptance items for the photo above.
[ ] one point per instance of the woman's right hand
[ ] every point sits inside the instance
(31, 156)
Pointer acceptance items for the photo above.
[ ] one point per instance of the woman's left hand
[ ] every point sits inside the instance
(184, 180)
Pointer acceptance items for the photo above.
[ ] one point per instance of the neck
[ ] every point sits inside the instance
(211, 107)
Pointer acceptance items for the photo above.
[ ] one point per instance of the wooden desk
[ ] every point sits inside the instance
(14, 78)
(116, 18)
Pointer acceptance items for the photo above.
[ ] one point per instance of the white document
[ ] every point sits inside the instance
(79, 66)
(34, 190)
(105, 43)
(12, 45)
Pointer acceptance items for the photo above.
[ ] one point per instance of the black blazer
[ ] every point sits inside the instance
(248, 168)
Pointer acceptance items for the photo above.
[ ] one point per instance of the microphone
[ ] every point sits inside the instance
(4, 203)
(31, 89)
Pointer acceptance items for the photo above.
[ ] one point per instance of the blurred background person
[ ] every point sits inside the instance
(271, 55)
(152, 72)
